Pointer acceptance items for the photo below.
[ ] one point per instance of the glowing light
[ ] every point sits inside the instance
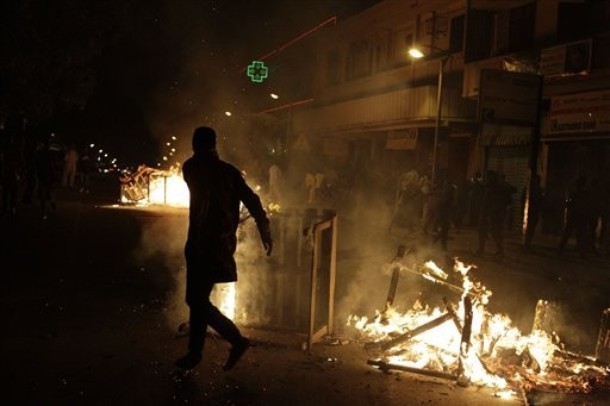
(164, 187)
(168, 144)
(91, 145)
(416, 53)
(169, 190)
(228, 113)
(274, 96)
(174, 137)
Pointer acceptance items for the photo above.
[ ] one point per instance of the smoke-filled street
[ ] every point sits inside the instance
(92, 302)
(363, 202)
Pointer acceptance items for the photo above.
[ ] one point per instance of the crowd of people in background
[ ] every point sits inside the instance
(435, 208)
(32, 166)
(485, 203)
(587, 213)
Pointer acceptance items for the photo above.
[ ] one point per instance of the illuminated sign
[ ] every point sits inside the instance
(257, 71)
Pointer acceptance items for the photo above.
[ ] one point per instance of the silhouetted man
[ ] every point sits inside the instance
(216, 189)
(576, 215)
(493, 206)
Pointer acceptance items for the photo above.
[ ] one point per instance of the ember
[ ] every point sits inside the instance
(477, 347)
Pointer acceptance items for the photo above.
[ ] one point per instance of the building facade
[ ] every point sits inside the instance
(374, 107)
(524, 82)
(566, 44)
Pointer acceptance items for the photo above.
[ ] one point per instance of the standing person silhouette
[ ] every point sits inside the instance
(45, 175)
(216, 189)
(70, 162)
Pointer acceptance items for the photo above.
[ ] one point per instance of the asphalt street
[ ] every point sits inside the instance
(91, 303)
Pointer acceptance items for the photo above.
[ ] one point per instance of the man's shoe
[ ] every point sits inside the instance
(236, 353)
(189, 361)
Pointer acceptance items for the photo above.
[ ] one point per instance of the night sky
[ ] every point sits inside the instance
(127, 74)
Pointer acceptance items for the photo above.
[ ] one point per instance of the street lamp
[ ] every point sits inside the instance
(418, 54)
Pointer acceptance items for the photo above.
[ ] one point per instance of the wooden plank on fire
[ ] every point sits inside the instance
(453, 313)
(409, 334)
(465, 341)
(400, 253)
(384, 366)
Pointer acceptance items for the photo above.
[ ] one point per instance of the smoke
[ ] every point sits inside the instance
(161, 245)
(365, 275)
(255, 280)
(161, 248)
(200, 55)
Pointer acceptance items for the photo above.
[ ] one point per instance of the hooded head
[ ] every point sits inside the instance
(204, 140)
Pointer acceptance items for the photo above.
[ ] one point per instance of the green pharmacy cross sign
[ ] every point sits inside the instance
(257, 71)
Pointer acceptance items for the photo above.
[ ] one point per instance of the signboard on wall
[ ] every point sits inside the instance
(402, 139)
(508, 97)
(567, 59)
(580, 113)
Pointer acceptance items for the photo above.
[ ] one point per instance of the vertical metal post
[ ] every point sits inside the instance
(533, 159)
(437, 124)
(300, 215)
(314, 290)
(282, 248)
(333, 277)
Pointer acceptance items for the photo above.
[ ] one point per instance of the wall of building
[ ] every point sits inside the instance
(366, 86)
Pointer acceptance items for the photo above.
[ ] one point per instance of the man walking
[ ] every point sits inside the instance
(216, 189)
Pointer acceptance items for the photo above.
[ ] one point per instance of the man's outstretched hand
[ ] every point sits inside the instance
(265, 233)
(268, 244)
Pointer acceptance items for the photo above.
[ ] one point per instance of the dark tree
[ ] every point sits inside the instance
(50, 51)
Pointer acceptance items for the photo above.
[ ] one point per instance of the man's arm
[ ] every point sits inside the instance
(255, 207)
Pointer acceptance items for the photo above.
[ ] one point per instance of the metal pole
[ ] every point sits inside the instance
(437, 124)
(533, 159)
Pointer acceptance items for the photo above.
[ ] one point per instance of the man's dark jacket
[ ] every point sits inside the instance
(216, 189)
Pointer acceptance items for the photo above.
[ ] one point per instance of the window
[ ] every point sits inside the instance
(570, 18)
(402, 41)
(359, 60)
(408, 44)
(332, 68)
(456, 38)
(478, 46)
(383, 49)
(522, 22)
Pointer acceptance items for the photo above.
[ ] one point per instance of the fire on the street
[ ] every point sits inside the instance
(471, 345)
(149, 186)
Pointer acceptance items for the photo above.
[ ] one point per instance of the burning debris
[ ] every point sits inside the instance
(155, 186)
(470, 345)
